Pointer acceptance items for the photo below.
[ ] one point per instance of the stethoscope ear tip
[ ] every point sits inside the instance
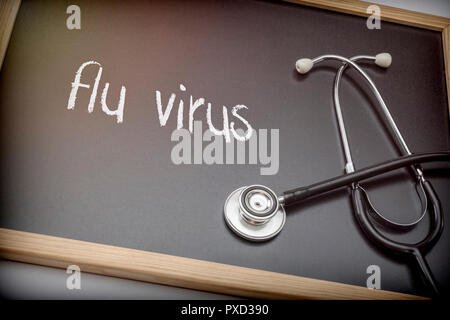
(304, 65)
(383, 60)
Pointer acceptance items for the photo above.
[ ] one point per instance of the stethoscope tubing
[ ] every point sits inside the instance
(417, 249)
(363, 207)
(297, 195)
(361, 201)
(361, 213)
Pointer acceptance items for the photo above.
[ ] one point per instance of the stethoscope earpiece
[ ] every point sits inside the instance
(304, 65)
(383, 60)
(254, 213)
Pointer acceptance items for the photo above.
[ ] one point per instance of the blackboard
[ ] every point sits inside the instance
(84, 176)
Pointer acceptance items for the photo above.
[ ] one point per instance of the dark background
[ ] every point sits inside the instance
(82, 176)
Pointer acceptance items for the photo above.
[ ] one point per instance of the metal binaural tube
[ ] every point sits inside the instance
(397, 134)
(375, 92)
(349, 167)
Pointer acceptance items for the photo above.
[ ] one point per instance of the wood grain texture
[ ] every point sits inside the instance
(8, 13)
(401, 16)
(175, 271)
(446, 48)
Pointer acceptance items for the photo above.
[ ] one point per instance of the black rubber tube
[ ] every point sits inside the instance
(426, 273)
(302, 193)
(415, 249)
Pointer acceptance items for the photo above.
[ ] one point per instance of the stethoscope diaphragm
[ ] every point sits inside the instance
(254, 213)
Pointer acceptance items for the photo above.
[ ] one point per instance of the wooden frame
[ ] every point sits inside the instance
(8, 13)
(190, 273)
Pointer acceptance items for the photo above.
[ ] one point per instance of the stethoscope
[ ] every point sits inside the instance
(256, 213)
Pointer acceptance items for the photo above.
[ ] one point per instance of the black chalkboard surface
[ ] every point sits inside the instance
(106, 179)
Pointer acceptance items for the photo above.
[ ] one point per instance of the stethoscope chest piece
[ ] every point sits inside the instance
(254, 213)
